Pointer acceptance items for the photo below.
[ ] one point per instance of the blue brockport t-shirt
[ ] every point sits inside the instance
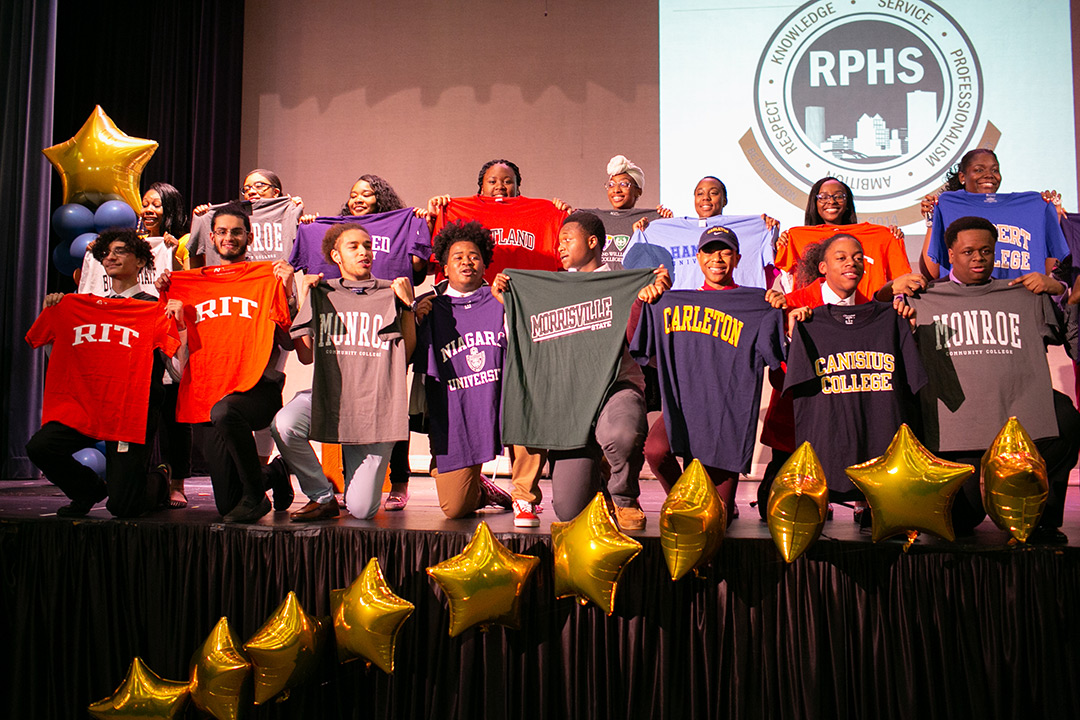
(1028, 230)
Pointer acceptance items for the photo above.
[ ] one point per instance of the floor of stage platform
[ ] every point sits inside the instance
(35, 499)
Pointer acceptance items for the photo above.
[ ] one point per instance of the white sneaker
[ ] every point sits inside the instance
(525, 514)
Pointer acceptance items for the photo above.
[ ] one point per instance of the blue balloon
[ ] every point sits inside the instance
(100, 446)
(61, 257)
(78, 246)
(71, 220)
(91, 458)
(114, 214)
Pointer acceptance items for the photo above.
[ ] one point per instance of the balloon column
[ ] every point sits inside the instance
(100, 167)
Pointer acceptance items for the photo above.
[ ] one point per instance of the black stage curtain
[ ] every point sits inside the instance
(850, 630)
(27, 43)
(171, 72)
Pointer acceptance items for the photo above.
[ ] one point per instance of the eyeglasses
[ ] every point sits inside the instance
(624, 184)
(258, 185)
(119, 251)
(825, 197)
(235, 232)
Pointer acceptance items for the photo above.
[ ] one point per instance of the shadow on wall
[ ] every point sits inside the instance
(323, 50)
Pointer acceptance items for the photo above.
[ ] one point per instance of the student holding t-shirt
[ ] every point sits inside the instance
(359, 332)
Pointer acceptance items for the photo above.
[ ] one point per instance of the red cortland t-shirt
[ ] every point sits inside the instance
(884, 253)
(98, 380)
(525, 230)
(230, 312)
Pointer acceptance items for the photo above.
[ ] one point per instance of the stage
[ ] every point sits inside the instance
(973, 629)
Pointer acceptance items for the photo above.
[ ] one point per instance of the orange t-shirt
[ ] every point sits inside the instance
(98, 381)
(884, 253)
(230, 312)
(525, 230)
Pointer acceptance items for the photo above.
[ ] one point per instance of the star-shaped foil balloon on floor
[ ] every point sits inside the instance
(484, 582)
(142, 696)
(1014, 481)
(590, 555)
(221, 675)
(692, 522)
(367, 617)
(101, 162)
(909, 488)
(284, 651)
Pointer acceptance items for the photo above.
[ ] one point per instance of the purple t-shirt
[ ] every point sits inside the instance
(395, 237)
(460, 348)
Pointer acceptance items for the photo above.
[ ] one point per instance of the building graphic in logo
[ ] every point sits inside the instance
(884, 96)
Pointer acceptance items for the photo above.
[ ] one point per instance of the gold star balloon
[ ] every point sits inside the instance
(284, 651)
(367, 617)
(484, 582)
(909, 488)
(692, 522)
(142, 696)
(101, 163)
(590, 555)
(221, 675)
(798, 503)
(1014, 482)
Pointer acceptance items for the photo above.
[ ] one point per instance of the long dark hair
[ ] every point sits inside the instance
(174, 217)
(385, 197)
(814, 218)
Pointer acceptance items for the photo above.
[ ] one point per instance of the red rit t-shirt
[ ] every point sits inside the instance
(884, 253)
(230, 312)
(525, 230)
(98, 381)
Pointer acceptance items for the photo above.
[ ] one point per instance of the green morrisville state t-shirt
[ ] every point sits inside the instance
(565, 340)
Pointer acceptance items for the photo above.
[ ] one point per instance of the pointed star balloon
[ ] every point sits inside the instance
(284, 651)
(367, 616)
(692, 522)
(1014, 481)
(909, 488)
(142, 696)
(221, 675)
(484, 583)
(101, 163)
(798, 503)
(590, 555)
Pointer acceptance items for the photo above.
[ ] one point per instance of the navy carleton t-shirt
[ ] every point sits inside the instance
(460, 348)
(854, 371)
(711, 350)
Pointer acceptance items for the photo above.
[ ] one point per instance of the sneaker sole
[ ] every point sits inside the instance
(526, 523)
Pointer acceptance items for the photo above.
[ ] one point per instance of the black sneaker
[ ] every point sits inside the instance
(79, 508)
(491, 495)
(249, 510)
(1039, 536)
(278, 480)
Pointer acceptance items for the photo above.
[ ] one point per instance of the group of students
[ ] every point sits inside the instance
(655, 312)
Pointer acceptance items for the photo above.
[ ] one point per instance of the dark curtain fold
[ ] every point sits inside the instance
(850, 630)
(27, 44)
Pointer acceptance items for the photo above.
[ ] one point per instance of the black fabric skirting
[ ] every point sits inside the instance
(850, 630)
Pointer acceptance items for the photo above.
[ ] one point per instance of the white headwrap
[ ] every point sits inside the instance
(620, 164)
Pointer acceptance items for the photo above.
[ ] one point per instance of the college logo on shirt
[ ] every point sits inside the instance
(984, 332)
(513, 236)
(103, 332)
(882, 95)
(582, 317)
(475, 359)
(224, 307)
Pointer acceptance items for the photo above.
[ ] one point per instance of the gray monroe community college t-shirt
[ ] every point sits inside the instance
(984, 349)
(273, 229)
(358, 389)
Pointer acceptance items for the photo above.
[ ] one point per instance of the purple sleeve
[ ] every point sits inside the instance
(1056, 246)
(421, 237)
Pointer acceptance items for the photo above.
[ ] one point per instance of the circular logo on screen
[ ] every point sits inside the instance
(883, 94)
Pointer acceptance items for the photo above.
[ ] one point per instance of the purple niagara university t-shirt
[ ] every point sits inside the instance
(460, 348)
(396, 237)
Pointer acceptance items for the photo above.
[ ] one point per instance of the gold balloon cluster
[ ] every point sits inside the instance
(101, 162)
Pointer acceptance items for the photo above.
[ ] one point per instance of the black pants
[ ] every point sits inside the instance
(1060, 454)
(131, 490)
(174, 438)
(235, 470)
